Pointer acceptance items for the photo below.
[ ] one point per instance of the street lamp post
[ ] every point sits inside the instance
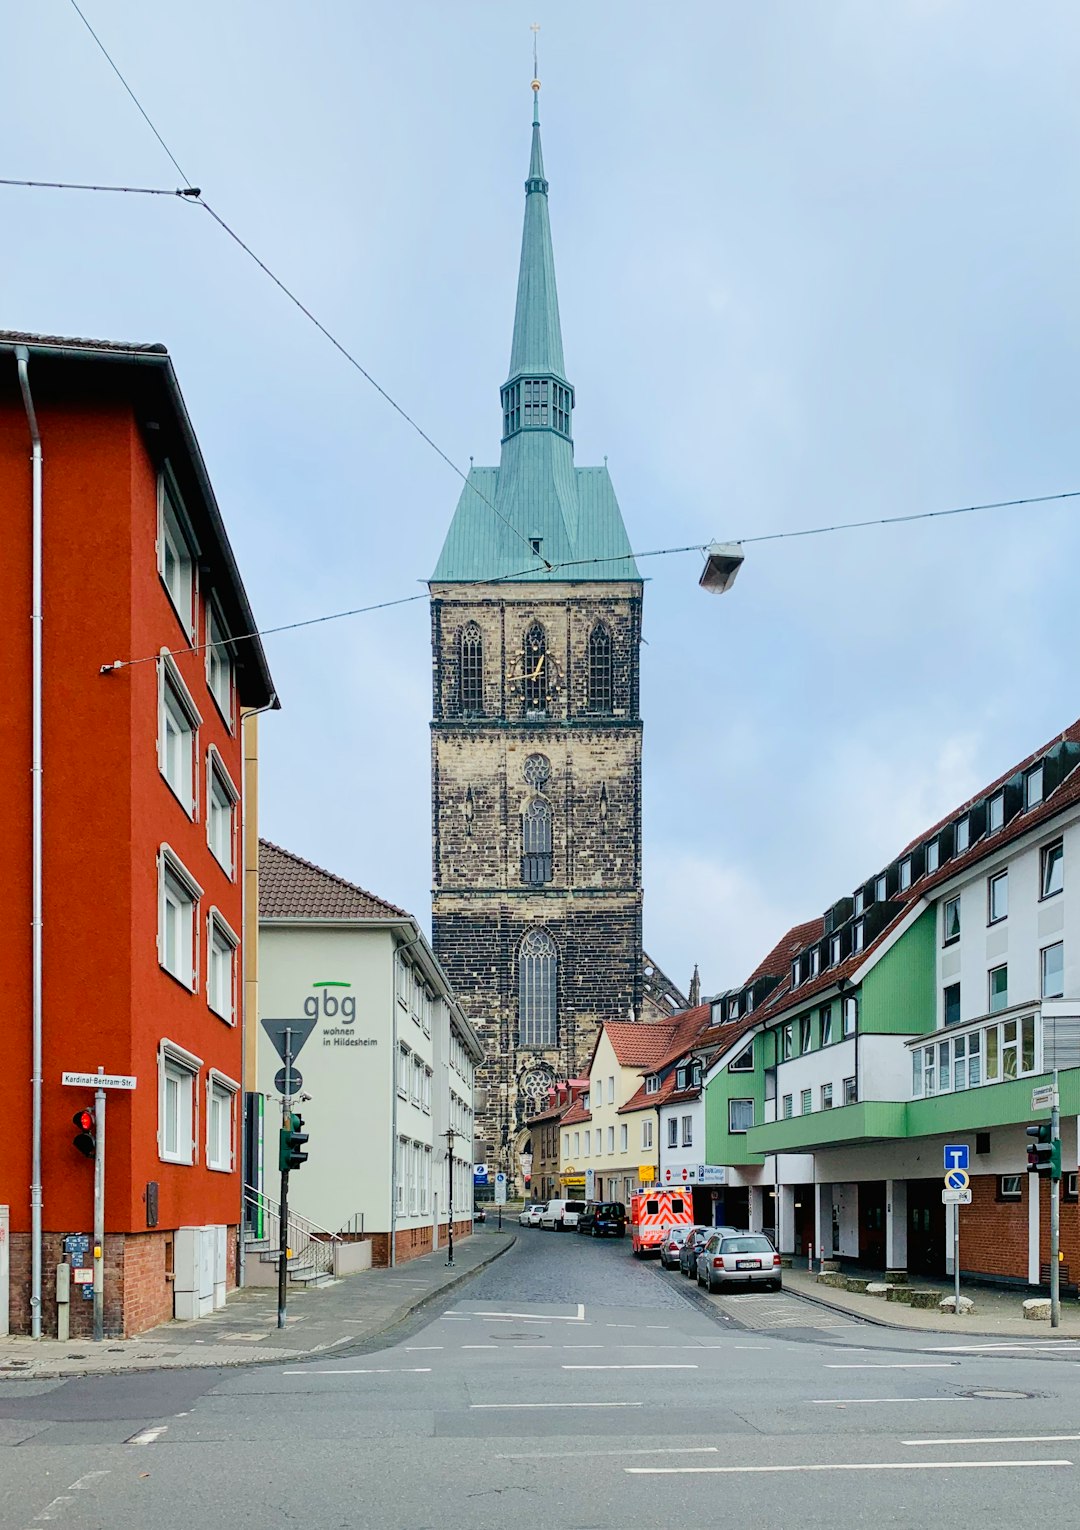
(450, 1134)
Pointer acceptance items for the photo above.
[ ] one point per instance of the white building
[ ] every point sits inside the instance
(386, 1066)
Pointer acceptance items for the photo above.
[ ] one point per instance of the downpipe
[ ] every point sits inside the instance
(22, 358)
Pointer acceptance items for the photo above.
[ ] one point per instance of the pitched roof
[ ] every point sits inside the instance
(778, 961)
(292, 888)
(576, 1113)
(1066, 794)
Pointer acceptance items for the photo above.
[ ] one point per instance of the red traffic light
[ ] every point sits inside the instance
(84, 1139)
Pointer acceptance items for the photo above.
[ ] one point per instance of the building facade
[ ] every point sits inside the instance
(536, 732)
(387, 1064)
(919, 1013)
(122, 945)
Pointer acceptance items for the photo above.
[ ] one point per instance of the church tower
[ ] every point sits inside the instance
(536, 731)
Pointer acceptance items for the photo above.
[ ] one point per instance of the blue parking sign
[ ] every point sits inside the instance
(956, 1155)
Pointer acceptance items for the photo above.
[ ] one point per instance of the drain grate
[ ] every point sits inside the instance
(998, 1396)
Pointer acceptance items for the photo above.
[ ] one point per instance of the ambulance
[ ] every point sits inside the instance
(652, 1212)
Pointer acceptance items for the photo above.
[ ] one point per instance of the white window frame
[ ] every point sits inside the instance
(1055, 945)
(611, 1139)
(737, 1065)
(826, 1096)
(1035, 774)
(402, 1080)
(948, 939)
(734, 1130)
(905, 873)
(218, 657)
(687, 1131)
(652, 1083)
(933, 855)
(825, 1025)
(963, 833)
(171, 689)
(624, 1137)
(647, 1134)
(1044, 865)
(220, 1087)
(173, 874)
(217, 775)
(1015, 1192)
(995, 808)
(994, 883)
(788, 1107)
(673, 1131)
(881, 889)
(219, 928)
(174, 529)
(806, 1101)
(176, 1063)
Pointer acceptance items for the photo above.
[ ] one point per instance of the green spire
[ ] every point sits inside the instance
(537, 350)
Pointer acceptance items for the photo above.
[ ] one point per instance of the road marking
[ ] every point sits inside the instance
(560, 1405)
(582, 1346)
(51, 1510)
(997, 1439)
(415, 1349)
(971, 1349)
(845, 1402)
(837, 1466)
(86, 1479)
(534, 1346)
(385, 1370)
(747, 1346)
(659, 1367)
(914, 1365)
(479, 1346)
(146, 1436)
(571, 1455)
(530, 1317)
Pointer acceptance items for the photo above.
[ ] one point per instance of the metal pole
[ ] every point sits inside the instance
(956, 1259)
(1055, 1211)
(283, 1209)
(99, 1213)
(450, 1161)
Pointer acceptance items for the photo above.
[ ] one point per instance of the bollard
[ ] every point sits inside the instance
(63, 1301)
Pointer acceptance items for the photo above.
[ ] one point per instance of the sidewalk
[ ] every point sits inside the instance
(997, 1314)
(350, 1314)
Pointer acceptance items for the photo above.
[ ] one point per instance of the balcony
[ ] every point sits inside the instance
(867, 1121)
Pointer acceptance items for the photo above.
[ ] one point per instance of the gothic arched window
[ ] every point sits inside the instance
(538, 962)
(536, 669)
(600, 683)
(536, 842)
(472, 668)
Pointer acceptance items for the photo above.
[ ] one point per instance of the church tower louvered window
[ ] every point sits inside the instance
(472, 669)
(536, 669)
(600, 680)
(536, 842)
(538, 961)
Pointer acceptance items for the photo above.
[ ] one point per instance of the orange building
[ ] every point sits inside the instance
(136, 895)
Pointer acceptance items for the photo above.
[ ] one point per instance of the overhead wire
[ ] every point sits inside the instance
(572, 563)
(194, 195)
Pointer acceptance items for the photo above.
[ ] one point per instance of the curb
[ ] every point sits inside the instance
(878, 1322)
(397, 1317)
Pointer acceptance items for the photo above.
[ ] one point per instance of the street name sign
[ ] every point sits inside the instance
(100, 1080)
(1042, 1097)
(956, 1197)
(956, 1155)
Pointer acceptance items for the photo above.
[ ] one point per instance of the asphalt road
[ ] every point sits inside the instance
(567, 1386)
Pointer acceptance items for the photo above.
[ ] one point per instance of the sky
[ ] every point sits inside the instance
(817, 262)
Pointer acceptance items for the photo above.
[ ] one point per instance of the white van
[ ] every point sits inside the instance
(561, 1214)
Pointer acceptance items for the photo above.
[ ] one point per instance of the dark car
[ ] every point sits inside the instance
(601, 1218)
(695, 1242)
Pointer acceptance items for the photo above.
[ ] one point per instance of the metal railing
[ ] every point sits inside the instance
(311, 1247)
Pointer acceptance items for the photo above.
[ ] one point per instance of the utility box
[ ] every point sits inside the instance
(221, 1264)
(193, 1286)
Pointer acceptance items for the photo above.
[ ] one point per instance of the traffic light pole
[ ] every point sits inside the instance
(1055, 1208)
(283, 1209)
(99, 1213)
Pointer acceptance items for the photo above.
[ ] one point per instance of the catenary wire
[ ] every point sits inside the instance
(191, 192)
(657, 552)
(349, 357)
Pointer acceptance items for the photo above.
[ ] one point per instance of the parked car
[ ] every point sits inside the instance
(691, 1248)
(479, 1214)
(561, 1214)
(603, 1217)
(670, 1249)
(738, 1259)
(531, 1213)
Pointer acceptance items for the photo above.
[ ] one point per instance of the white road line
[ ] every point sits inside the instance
(528, 1317)
(416, 1349)
(972, 1349)
(659, 1367)
(386, 1370)
(560, 1405)
(749, 1346)
(914, 1365)
(847, 1402)
(571, 1455)
(837, 1466)
(147, 1436)
(534, 1346)
(997, 1439)
(582, 1346)
(87, 1478)
(51, 1510)
(479, 1346)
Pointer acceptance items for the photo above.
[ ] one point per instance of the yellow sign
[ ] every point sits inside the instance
(646, 1173)
(573, 1181)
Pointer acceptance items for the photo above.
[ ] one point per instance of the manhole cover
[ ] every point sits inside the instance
(997, 1396)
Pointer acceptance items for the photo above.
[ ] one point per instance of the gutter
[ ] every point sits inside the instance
(22, 358)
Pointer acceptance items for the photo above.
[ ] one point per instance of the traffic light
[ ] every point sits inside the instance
(293, 1138)
(85, 1139)
(1044, 1153)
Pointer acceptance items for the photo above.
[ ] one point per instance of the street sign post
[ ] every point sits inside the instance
(957, 1193)
(500, 1189)
(100, 1081)
(590, 1184)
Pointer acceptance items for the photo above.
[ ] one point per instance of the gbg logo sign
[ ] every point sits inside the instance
(327, 1005)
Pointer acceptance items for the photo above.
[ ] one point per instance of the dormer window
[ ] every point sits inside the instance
(680, 1078)
(858, 935)
(733, 1009)
(652, 1083)
(1033, 787)
(536, 543)
(996, 813)
(796, 972)
(881, 889)
(749, 1000)
(963, 834)
(695, 1073)
(933, 855)
(834, 951)
(859, 902)
(905, 873)
(815, 961)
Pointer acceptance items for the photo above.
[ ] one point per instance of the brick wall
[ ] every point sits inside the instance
(993, 1233)
(410, 1242)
